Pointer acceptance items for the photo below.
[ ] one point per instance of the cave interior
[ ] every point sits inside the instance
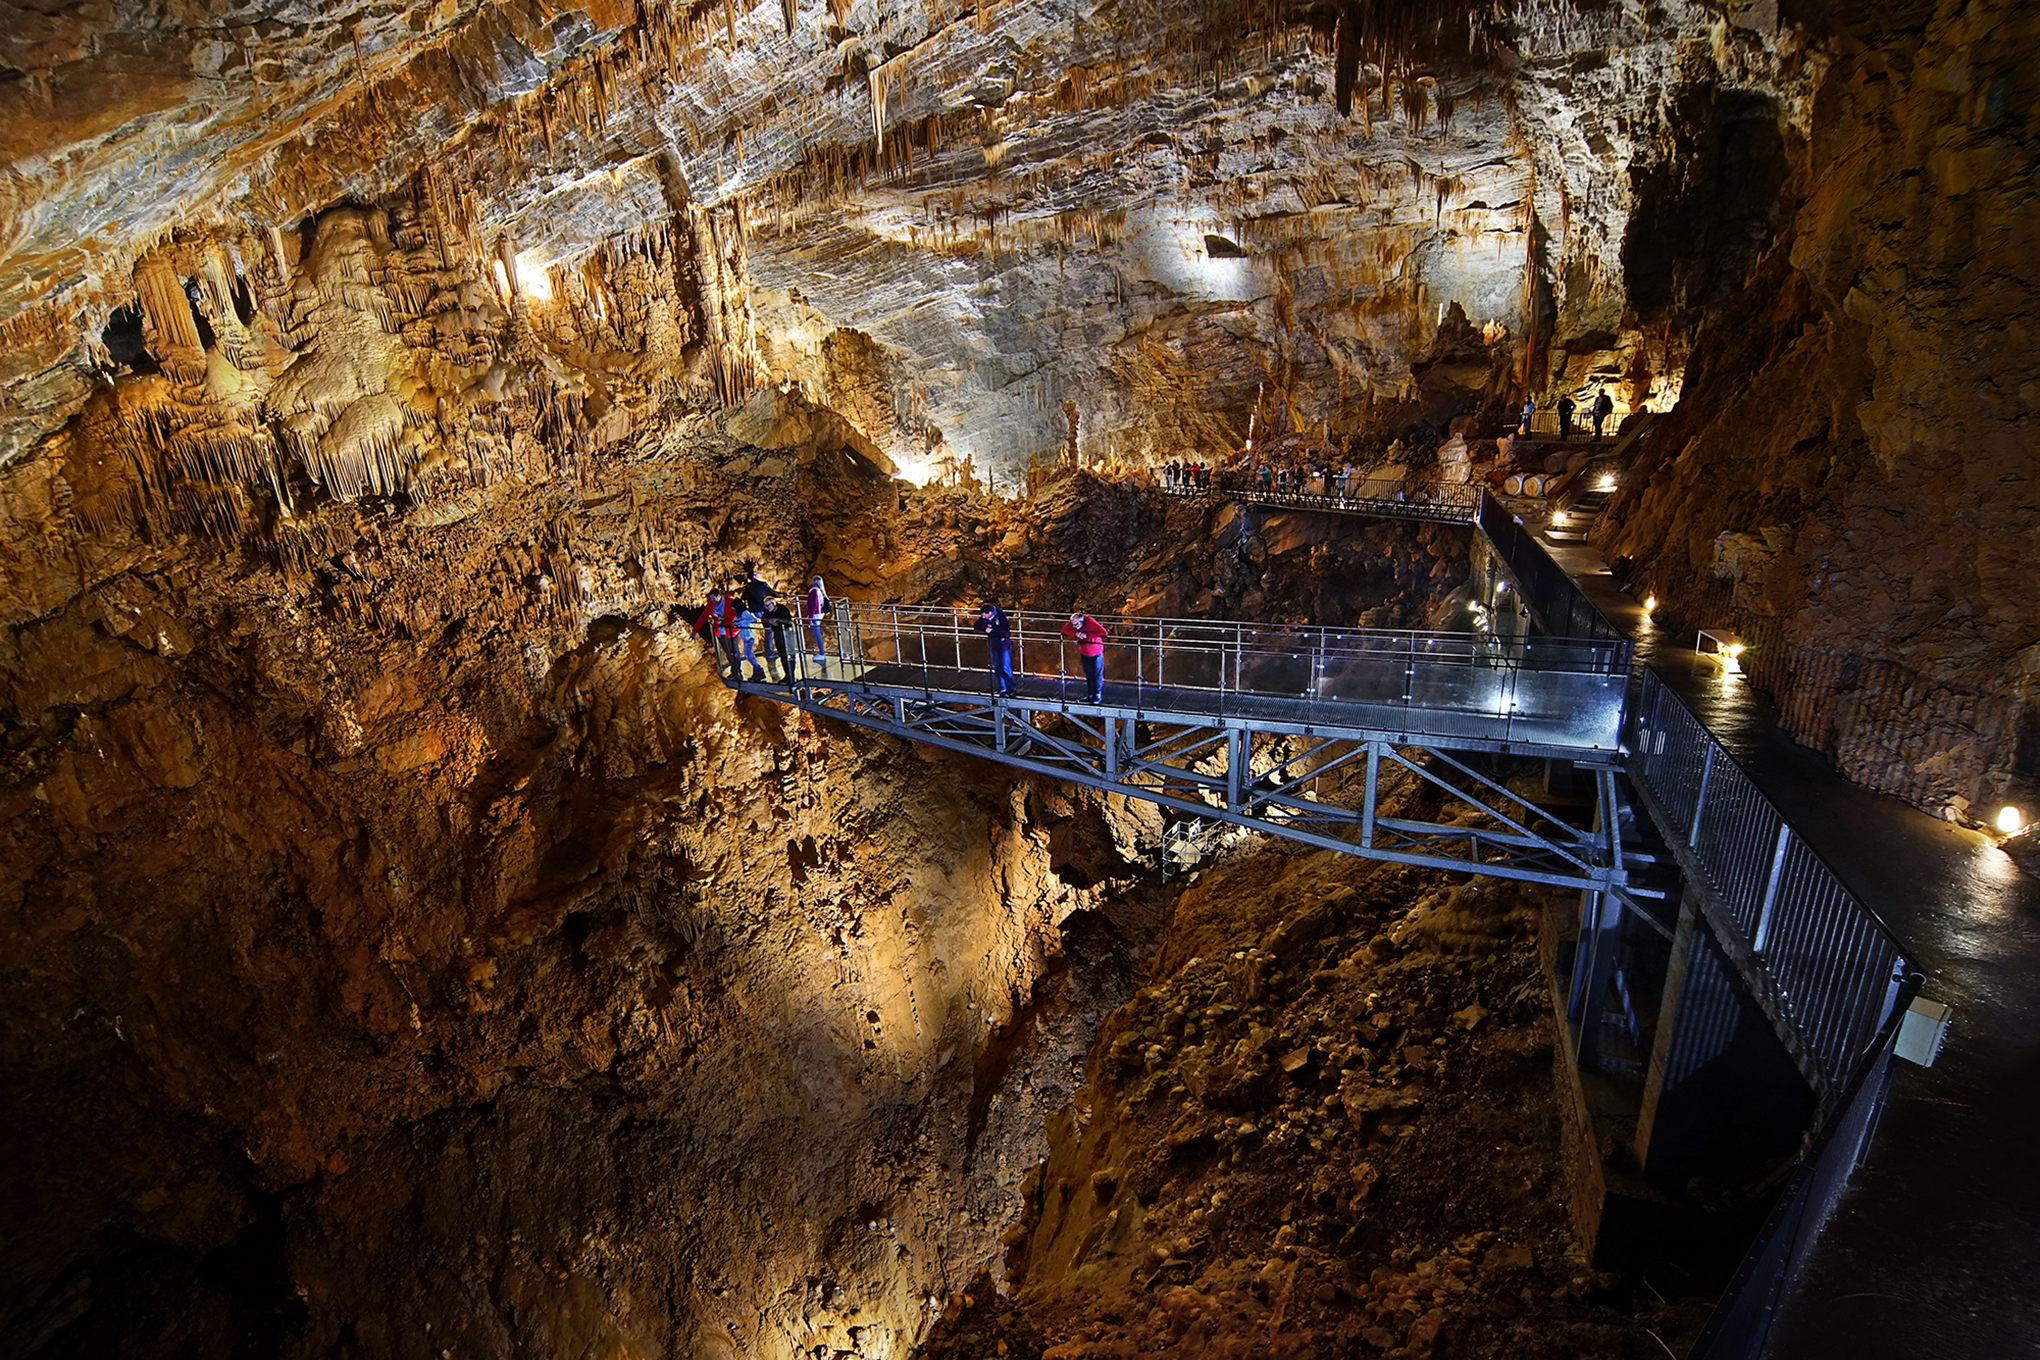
(413, 947)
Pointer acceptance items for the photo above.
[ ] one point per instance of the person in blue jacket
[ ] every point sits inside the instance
(998, 631)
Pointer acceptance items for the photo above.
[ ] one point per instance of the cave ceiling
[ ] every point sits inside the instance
(998, 207)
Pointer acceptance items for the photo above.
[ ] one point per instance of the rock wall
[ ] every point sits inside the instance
(1851, 451)
(1327, 1126)
(403, 952)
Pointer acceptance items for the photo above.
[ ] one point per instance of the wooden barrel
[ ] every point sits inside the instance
(1514, 485)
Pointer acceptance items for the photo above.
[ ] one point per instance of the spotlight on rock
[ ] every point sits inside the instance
(533, 276)
(2010, 820)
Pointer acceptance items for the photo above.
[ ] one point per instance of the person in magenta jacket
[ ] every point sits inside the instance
(814, 609)
(1089, 635)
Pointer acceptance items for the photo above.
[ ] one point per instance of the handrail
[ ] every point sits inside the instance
(1548, 589)
(1553, 694)
(1835, 966)
(1442, 646)
(1741, 1319)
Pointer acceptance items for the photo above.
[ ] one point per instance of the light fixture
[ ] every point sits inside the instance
(1558, 519)
(1607, 484)
(1735, 651)
(2010, 820)
(1649, 603)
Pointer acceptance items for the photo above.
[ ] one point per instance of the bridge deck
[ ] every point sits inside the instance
(1490, 709)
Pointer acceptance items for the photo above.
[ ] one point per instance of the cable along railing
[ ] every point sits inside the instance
(1543, 692)
(1835, 970)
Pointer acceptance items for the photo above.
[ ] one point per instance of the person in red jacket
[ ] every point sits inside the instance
(718, 622)
(1089, 635)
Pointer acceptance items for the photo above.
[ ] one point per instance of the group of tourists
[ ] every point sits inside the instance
(1309, 479)
(1598, 411)
(748, 621)
(754, 631)
(1269, 476)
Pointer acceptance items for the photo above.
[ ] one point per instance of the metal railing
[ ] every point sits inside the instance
(1559, 605)
(1741, 1321)
(1535, 691)
(1443, 502)
(1835, 970)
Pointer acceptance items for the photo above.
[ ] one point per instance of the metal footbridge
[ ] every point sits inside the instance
(1379, 498)
(1257, 724)
(1327, 736)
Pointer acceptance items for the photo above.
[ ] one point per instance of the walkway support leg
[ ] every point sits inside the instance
(1236, 748)
(1593, 968)
(1373, 791)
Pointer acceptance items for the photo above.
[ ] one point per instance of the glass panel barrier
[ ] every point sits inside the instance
(1546, 690)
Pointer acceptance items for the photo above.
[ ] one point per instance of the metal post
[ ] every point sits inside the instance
(1891, 987)
(1409, 681)
(1700, 802)
(1239, 668)
(1763, 931)
(1236, 748)
(1592, 957)
(1111, 747)
(1373, 784)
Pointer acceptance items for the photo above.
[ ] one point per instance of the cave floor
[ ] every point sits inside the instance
(1934, 1244)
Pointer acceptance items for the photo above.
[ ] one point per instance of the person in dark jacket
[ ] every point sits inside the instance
(1566, 406)
(757, 594)
(1089, 635)
(998, 631)
(779, 639)
(1603, 407)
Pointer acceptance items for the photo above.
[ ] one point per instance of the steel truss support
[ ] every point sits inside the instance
(1223, 769)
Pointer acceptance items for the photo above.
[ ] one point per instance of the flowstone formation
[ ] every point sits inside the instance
(1851, 463)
